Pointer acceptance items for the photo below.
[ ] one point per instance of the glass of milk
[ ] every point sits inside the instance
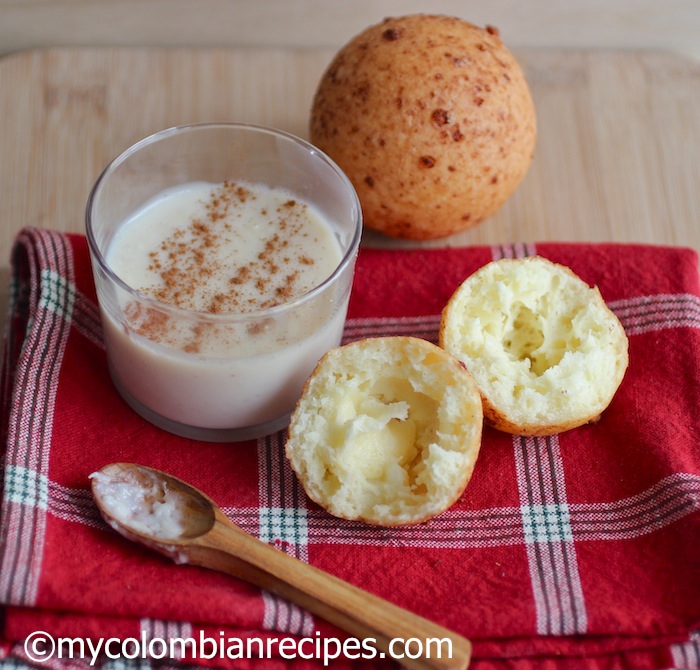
(223, 257)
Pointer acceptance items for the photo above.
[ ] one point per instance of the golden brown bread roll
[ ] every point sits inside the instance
(543, 347)
(387, 431)
(431, 118)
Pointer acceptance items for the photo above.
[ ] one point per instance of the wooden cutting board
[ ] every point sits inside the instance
(617, 159)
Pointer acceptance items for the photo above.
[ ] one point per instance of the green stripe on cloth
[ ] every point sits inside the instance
(284, 524)
(547, 523)
(26, 487)
(57, 294)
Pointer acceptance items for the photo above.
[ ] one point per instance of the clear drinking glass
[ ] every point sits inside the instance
(248, 369)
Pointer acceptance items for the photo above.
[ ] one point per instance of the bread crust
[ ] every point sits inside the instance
(431, 118)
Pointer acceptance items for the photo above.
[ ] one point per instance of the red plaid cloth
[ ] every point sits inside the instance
(580, 550)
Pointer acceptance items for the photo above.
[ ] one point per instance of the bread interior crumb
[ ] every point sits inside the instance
(540, 343)
(387, 434)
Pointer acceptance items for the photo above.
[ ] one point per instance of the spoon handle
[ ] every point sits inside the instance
(227, 548)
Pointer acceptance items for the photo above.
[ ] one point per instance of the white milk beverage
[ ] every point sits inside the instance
(223, 251)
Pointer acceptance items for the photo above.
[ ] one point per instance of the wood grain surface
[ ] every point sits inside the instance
(630, 24)
(617, 159)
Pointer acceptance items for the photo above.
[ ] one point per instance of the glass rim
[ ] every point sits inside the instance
(237, 317)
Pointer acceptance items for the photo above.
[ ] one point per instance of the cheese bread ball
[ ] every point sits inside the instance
(544, 349)
(387, 431)
(432, 120)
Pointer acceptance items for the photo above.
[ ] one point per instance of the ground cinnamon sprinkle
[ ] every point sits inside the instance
(187, 259)
(243, 250)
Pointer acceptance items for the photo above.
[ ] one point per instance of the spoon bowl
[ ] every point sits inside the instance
(151, 504)
(168, 515)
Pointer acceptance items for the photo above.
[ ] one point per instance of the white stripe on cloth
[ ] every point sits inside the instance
(282, 501)
(283, 522)
(286, 617)
(23, 525)
(517, 250)
(86, 320)
(158, 629)
(426, 327)
(686, 655)
(650, 313)
(554, 573)
(664, 503)
(667, 501)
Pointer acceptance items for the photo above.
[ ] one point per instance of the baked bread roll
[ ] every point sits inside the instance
(431, 118)
(543, 347)
(387, 431)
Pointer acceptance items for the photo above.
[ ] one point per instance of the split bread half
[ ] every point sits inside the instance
(387, 431)
(544, 349)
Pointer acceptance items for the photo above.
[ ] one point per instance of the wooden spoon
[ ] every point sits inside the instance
(165, 514)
